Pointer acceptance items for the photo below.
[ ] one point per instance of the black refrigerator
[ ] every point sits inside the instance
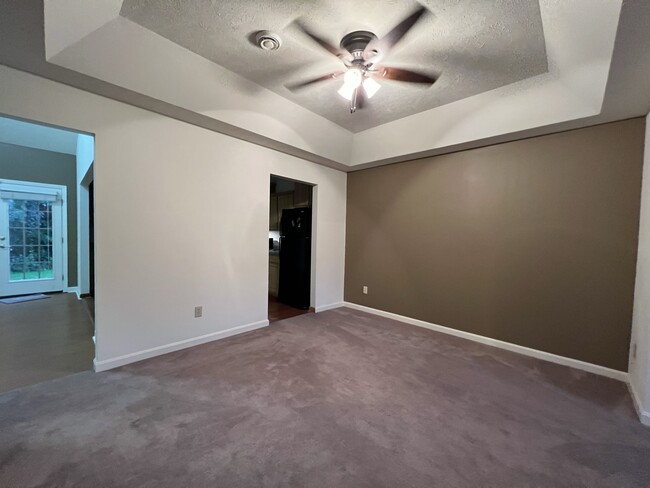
(295, 257)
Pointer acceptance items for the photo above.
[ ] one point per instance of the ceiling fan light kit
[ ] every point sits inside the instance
(371, 87)
(347, 92)
(360, 52)
(353, 77)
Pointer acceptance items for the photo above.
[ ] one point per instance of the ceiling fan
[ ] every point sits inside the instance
(360, 52)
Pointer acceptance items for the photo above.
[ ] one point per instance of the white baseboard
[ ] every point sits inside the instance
(72, 289)
(175, 346)
(644, 415)
(546, 356)
(331, 306)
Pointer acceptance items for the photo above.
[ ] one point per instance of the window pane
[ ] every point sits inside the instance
(45, 237)
(31, 237)
(46, 271)
(32, 215)
(17, 272)
(44, 219)
(16, 236)
(31, 254)
(16, 214)
(30, 240)
(45, 253)
(17, 254)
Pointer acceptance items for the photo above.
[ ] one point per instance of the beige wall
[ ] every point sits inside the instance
(27, 164)
(531, 242)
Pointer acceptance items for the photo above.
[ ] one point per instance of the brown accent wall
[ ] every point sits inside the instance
(28, 164)
(531, 242)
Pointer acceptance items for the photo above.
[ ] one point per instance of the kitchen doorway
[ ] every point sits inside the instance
(290, 248)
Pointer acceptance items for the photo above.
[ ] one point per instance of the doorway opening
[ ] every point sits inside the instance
(47, 329)
(290, 248)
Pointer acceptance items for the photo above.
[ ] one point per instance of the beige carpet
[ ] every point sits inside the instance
(335, 399)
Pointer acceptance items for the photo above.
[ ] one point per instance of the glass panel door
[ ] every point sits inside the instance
(30, 240)
(30, 243)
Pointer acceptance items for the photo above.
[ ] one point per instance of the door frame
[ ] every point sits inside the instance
(25, 186)
(314, 226)
(85, 286)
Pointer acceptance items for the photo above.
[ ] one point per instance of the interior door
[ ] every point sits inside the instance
(31, 239)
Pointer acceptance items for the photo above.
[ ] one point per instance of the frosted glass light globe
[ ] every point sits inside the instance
(353, 78)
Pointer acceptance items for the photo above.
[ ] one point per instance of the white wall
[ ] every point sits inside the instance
(85, 157)
(181, 219)
(640, 365)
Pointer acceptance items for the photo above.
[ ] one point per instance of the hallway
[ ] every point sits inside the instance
(44, 339)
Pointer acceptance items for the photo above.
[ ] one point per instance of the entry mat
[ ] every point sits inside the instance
(24, 298)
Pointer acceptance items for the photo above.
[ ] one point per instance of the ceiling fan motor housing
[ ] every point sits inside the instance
(356, 42)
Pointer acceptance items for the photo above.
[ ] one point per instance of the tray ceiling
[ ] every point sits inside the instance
(476, 46)
(596, 56)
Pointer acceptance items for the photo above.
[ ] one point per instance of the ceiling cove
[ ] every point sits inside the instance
(476, 46)
(508, 69)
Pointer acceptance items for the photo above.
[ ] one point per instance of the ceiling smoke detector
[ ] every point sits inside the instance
(268, 41)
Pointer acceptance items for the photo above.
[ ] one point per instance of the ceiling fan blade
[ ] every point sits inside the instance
(378, 48)
(298, 86)
(340, 53)
(398, 74)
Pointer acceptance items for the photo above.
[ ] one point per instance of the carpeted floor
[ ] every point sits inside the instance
(336, 399)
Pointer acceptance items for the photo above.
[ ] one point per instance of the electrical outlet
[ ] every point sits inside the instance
(365, 290)
(198, 312)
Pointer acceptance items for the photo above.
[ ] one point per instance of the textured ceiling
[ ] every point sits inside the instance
(475, 45)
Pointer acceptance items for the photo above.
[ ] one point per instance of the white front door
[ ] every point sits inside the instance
(31, 238)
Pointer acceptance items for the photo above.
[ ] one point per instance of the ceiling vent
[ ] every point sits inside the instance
(268, 41)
